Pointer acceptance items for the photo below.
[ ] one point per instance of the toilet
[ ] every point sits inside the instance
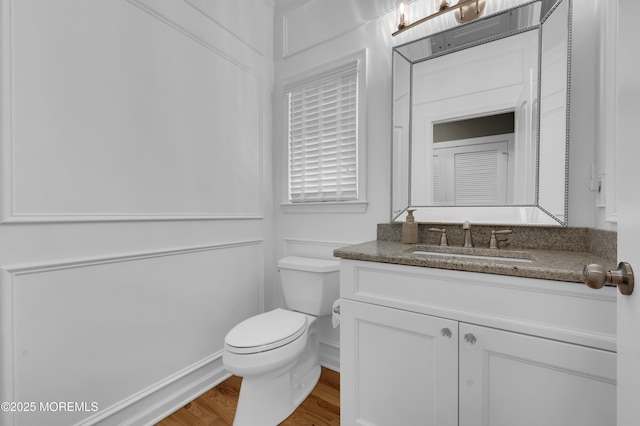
(277, 352)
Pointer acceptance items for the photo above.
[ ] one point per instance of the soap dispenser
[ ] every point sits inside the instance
(410, 229)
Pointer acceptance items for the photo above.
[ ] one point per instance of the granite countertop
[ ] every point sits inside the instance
(559, 265)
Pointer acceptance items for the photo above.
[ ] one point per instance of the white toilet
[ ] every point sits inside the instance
(276, 353)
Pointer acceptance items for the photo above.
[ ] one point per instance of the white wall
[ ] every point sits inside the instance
(584, 119)
(136, 203)
(310, 33)
(606, 113)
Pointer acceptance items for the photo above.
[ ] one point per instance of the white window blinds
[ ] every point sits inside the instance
(323, 137)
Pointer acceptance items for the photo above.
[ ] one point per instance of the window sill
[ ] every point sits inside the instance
(325, 207)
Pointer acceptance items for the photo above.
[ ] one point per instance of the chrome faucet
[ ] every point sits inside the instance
(466, 228)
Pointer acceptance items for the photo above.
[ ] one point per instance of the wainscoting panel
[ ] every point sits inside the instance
(311, 248)
(512, 57)
(243, 18)
(119, 332)
(119, 112)
(305, 23)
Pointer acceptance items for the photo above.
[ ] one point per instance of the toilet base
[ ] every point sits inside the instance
(268, 399)
(268, 402)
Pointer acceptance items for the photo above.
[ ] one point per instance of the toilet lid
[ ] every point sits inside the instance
(266, 331)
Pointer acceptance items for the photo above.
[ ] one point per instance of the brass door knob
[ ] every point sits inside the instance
(595, 276)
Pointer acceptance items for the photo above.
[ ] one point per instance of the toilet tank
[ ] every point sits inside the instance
(310, 285)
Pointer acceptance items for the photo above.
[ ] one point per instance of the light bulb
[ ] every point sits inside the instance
(402, 13)
(441, 4)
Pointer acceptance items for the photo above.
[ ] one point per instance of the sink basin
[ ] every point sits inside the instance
(473, 253)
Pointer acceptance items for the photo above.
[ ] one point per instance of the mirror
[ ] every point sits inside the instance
(480, 120)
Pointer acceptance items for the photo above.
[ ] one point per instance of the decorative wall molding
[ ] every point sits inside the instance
(6, 119)
(311, 248)
(247, 19)
(156, 10)
(325, 207)
(10, 218)
(344, 19)
(17, 199)
(25, 269)
(6, 345)
(104, 325)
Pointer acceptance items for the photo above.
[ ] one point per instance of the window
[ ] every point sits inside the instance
(323, 134)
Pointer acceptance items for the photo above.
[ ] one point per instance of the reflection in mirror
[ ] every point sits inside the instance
(466, 144)
(471, 161)
(400, 139)
(554, 110)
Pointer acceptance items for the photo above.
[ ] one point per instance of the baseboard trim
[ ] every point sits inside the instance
(158, 401)
(330, 354)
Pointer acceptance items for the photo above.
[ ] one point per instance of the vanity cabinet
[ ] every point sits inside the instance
(422, 346)
(512, 379)
(397, 367)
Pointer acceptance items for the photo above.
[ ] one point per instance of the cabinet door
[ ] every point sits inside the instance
(397, 367)
(509, 379)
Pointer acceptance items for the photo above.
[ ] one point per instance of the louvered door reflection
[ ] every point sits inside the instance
(471, 174)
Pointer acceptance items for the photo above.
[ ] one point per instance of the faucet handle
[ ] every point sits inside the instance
(443, 238)
(494, 241)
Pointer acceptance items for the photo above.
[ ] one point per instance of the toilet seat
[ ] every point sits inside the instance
(266, 331)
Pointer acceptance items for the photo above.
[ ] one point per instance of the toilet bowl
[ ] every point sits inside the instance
(266, 342)
(277, 352)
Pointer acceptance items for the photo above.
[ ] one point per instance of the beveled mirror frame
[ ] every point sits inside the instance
(524, 214)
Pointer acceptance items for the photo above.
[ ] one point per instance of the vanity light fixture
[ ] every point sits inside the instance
(464, 10)
(441, 4)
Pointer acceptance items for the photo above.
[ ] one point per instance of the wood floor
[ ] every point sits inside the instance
(218, 406)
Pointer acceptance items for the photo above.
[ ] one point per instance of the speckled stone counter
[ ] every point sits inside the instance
(577, 247)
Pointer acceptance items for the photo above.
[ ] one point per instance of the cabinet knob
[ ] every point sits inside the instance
(446, 333)
(595, 276)
(470, 338)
